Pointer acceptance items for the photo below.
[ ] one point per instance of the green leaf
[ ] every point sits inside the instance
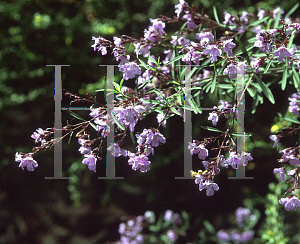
(284, 78)
(268, 66)
(243, 49)
(93, 125)
(175, 111)
(117, 86)
(214, 82)
(75, 115)
(240, 134)
(288, 118)
(70, 137)
(257, 22)
(152, 59)
(250, 91)
(161, 95)
(292, 10)
(269, 24)
(296, 78)
(145, 65)
(132, 137)
(276, 24)
(191, 73)
(209, 227)
(265, 89)
(289, 45)
(118, 124)
(225, 86)
(211, 129)
(174, 60)
(216, 14)
(121, 83)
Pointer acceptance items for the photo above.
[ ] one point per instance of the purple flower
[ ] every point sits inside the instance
(159, 118)
(85, 146)
(260, 42)
(118, 41)
(281, 173)
(139, 162)
(290, 203)
(241, 215)
(282, 53)
(158, 25)
(191, 55)
(190, 21)
(231, 70)
(116, 151)
(275, 139)
(200, 149)
(128, 116)
(179, 7)
(214, 118)
(172, 235)
(145, 50)
(255, 65)
(213, 51)
(90, 160)
(241, 159)
(223, 236)
(209, 186)
(294, 104)
(130, 69)
(98, 46)
(276, 11)
(247, 236)
(40, 136)
(207, 35)
(227, 45)
(179, 40)
(26, 161)
(150, 138)
(120, 55)
(289, 155)
(261, 13)
(228, 19)
(102, 125)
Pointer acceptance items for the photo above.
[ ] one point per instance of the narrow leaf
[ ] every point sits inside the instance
(214, 82)
(276, 24)
(268, 66)
(70, 137)
(216, 14)
(152, 59)
(292, 10)
(211, 129)
(296, 78)
(118, 124)
(291, 41)
(175, 111)
(132, 137)
(174, 60)
(93, 125)
(284, 79)
(257, 22)
(75, 115)
(265, 89)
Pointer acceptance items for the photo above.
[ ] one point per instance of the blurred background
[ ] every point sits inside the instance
(85, 209)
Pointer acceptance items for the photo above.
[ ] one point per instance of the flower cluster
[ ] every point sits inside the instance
(222, 110)
(244, 220)
(133, 230)
(26, 161)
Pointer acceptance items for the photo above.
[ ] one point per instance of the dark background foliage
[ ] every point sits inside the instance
(85, 209)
